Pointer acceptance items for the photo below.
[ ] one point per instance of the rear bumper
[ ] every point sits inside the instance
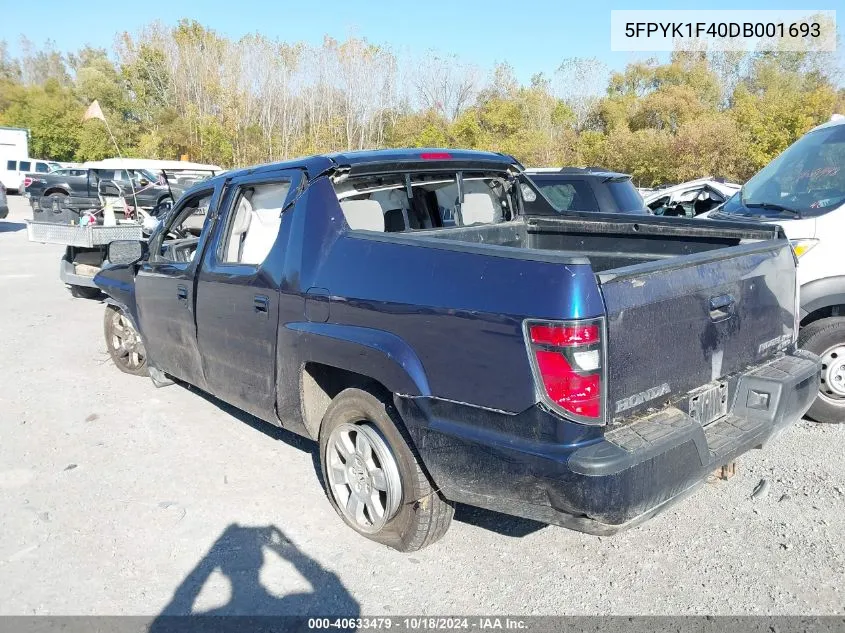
(605, 480)
(69, 275)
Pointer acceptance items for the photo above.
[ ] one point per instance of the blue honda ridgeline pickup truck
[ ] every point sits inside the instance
(446, 336)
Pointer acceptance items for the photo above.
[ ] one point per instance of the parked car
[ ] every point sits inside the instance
(138, 185)
(15, 170)
(690, 198)
(153, 190)
(448, 336)
(4, 202)
(61, 172)
(588, 189)
(803, 191)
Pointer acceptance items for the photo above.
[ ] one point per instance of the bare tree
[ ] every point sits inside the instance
(581, 82)
(445, 84)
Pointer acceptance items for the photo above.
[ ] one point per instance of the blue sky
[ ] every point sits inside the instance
(531, 36)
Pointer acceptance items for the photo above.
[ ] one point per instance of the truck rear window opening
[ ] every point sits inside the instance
(566, 358)
(383, 203)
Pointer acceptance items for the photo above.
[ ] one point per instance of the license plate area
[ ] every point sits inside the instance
(709, 404)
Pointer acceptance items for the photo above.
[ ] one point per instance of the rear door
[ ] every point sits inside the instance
(165, 289)
(680, 323)
(238, 292)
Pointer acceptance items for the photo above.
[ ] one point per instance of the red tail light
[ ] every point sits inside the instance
(27, 181)
(567, 358)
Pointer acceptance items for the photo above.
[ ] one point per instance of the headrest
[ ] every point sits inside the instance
(478, 209)
(363, 215)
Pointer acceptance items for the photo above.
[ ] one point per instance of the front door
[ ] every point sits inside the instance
(238, 292)
(165, 289)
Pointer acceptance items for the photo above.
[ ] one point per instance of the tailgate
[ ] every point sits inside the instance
(680, 323)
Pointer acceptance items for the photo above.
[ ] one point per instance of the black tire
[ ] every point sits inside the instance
(422, 516)
(820, 337)
(130, 357)
(54, 201)
(84, 292)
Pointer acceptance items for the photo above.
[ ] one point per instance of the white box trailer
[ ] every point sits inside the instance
(14, 142)
(14, 146)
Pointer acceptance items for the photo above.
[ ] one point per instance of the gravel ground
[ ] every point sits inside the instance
(119, 498)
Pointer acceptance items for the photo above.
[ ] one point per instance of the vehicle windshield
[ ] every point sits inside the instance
(806, 180)
(145, 173)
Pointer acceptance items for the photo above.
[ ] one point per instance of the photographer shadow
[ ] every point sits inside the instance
(239, 554)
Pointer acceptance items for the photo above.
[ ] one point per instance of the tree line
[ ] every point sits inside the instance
(170, 91)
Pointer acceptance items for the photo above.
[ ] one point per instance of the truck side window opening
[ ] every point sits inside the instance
(253, 223)
(381, 203)
(180, 239)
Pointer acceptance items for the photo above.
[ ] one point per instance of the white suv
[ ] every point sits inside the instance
(803, 190)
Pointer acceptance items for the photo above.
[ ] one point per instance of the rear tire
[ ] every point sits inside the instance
(124, 343)
(826, 338)
(386, 472)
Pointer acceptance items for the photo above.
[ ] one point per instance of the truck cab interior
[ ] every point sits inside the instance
(251, 232)
(397, 203)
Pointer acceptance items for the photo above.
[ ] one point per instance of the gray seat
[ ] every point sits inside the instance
(363, 215)
(240, 225)
(478, 208)
(265, 221)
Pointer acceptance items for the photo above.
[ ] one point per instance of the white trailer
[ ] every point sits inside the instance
(14, 146)
(14, 142)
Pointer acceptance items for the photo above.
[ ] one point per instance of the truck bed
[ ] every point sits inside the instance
(608, 245)
(717, 297)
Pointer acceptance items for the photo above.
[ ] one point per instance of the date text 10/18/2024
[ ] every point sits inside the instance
(419, 623)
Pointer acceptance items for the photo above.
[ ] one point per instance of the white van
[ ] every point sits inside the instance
(803, 190)
(12, 170)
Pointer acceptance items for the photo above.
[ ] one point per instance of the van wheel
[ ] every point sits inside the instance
(373, 476)
(826, 338)
(84, 292)
(124, 343)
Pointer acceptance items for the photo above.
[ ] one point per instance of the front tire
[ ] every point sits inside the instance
(124, 343)
(826, 338)
(373, 477)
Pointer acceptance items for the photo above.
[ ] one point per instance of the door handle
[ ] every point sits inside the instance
(721, 307)
(261, 303)
(182, 294)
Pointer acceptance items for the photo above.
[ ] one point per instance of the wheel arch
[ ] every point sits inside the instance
(111, 302)
(60, 190)
(822, 298)
(340, 356)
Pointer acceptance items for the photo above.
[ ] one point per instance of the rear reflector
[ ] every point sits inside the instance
(567, 361)
(435, 155)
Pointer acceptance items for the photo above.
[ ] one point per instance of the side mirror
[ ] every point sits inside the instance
(125, 252)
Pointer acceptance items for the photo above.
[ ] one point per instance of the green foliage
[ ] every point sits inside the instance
(187, 90)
